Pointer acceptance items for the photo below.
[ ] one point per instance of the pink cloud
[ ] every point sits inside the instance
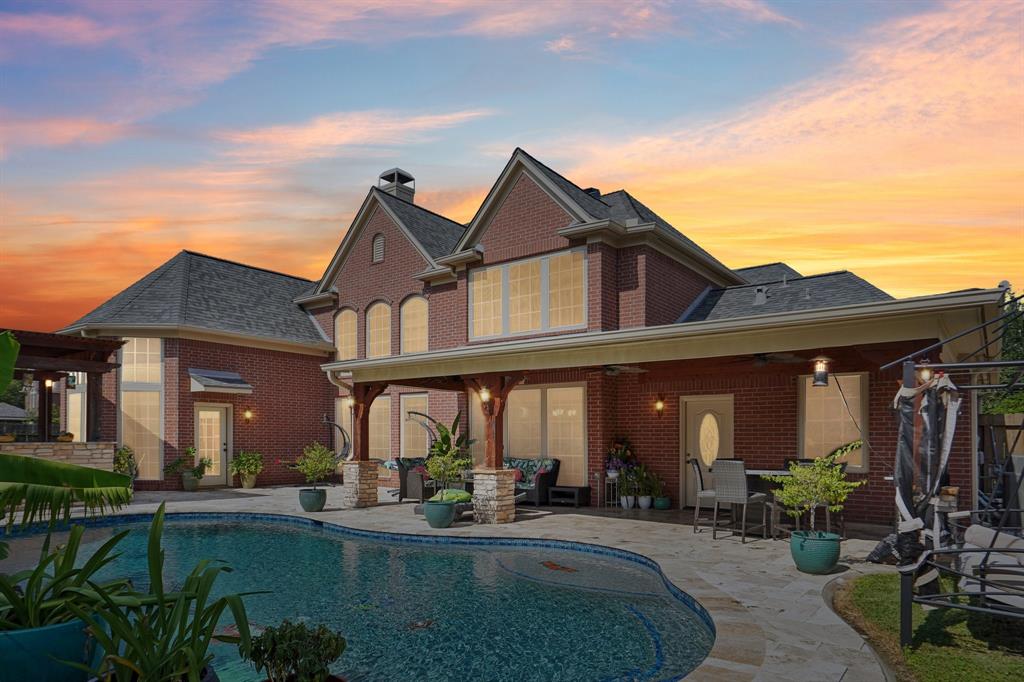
(62, 29)
(24, 132)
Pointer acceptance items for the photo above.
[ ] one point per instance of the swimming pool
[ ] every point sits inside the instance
(432, 607)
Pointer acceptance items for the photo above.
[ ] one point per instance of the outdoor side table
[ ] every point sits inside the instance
(569, 494)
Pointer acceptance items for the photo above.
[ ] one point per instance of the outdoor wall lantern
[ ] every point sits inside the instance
(49, 383)
(248, 415)
(485, 394)
(925, 373)
(350, 402)
(820, 371)
(659, 406)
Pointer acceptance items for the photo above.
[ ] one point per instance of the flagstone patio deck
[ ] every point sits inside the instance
(773, 623)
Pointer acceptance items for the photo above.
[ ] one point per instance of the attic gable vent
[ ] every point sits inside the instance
(760, 295)
(378, 248)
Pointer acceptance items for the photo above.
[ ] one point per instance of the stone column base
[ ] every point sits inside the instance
(494, 495)
(360, 486)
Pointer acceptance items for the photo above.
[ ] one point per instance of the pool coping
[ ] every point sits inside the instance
(738, 649)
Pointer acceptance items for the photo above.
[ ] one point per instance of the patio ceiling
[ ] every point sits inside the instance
(46, 352)
(902, 320)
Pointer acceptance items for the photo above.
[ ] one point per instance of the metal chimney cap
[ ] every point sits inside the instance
(396, 175)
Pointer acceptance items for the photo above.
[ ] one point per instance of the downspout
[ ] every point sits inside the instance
(340, 379)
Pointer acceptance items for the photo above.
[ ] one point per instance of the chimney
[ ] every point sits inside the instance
(760, 295)
(594, 192)
(399, 183)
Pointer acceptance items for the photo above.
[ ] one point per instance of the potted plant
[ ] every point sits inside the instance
(661, 500)
(644, 487)
(808, 487)
(620, 456)
(124, 463)
(627, 487)
(247, 465)
(159, 634)
(316, 463)
(445, 462)
(191, 469)
(38, 630)
(293, 652)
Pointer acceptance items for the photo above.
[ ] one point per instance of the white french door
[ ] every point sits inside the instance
(705, 435)
(213, 441)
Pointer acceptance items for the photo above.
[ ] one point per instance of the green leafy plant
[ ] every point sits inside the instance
(316, 463)
(246, 463)
(1011, 348)
(42, 490)
(188, 463)
(9, 348)
(820, 484)
(644, 480)
(657, 486)
(447, 458)
(124, 462)
(159, 635)
(45, 595)
(629, 482)
(296, 651)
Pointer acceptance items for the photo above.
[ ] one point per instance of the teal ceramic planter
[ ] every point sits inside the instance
(662, 503)
(36, 653)
(439, 514)
(814, 551)
(313, 499)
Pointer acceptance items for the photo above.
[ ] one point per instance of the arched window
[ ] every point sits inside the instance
(378, 330)
(414, 325)
(345, 334)
(378, 248)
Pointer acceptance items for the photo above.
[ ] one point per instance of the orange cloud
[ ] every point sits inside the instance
(47, 132)
(904, 164)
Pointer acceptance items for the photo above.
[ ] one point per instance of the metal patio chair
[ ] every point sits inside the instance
(731, 488)
(703, 492)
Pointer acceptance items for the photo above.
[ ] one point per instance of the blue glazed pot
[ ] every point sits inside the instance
(36, 653)
(662, 503)
(439, 514)
(313, 499)
(814, 551)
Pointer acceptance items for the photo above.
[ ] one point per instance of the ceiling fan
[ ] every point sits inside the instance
(764, 359)
(616, 370)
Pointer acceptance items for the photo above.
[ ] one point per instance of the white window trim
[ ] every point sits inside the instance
(403, 416)
(129, 386)
(864, 423)
(544, 422)
(544, 295)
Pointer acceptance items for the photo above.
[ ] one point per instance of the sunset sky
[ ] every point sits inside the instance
(885, 138)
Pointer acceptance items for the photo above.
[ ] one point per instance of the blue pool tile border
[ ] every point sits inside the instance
(405, 538)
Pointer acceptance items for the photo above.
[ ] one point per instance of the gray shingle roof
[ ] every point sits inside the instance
(196, 290)
(769, 272)
(803, 293)
(436, 234)
(10, 412)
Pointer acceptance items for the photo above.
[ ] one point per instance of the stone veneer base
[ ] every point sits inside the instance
(360, 484)
(494, 495)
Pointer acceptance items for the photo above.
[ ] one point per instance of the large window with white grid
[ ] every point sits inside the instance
(834, 415)
(141, 414)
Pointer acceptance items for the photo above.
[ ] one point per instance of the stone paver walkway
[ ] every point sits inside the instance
(773, 623)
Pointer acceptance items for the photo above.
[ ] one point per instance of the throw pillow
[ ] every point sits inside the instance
(518, 475)
(452, 495)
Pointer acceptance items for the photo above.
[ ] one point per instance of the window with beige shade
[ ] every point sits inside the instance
(378, 330)
(140, 361)
(141, 408)
(345, 334)
(486, 302)
(565, 289)
(414, 325)
(380, 428)
(415, 441)
(530, 295)
(524, 296)
(540, 421)
(827, 420)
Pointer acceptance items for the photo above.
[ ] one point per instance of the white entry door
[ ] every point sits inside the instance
(705, 435)
(213, 437)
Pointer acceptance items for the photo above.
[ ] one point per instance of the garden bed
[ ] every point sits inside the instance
(950, 645)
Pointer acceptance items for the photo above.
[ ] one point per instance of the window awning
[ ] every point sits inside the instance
(214, 381)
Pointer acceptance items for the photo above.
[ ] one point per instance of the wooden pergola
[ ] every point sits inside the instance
(50, 357)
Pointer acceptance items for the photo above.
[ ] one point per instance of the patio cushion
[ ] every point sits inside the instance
(452, 495)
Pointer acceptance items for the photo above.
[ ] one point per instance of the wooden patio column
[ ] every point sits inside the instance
(359, 486)
(364, 395)
(93, 398)
(493, 485)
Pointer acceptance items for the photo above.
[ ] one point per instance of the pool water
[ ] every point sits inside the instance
(415, 611)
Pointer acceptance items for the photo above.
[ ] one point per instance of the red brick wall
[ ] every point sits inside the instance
(670, 288)
(290, 396)
(602, 287)
(324, 318)
(525, 224)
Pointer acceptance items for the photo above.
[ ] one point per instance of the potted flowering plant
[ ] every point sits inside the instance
(247, 465)
(808, 487)
(619, 457)
(446, 462)
(191, 469)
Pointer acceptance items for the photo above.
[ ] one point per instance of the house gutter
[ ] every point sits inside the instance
(624, 345)
(199, 334)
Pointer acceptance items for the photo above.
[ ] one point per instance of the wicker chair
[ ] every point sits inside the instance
(703, 493)
(731, 488)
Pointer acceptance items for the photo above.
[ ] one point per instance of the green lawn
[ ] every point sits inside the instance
(950, 645)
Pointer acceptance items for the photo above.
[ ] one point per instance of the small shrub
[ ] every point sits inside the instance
(124, 462)
(316, 463)
(295, 651)
(247, 463)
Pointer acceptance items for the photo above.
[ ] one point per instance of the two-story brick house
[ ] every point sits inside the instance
(580, 316)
